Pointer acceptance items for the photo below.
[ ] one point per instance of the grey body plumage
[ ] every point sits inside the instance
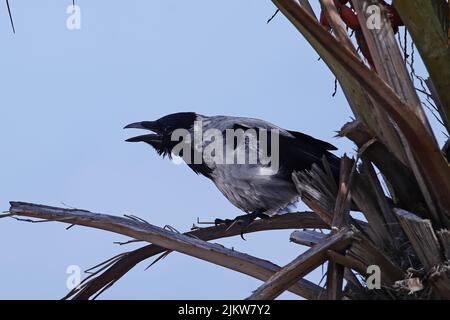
(243, 184)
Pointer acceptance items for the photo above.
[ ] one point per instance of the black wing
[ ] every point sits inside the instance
(301, 151)
(313, 141)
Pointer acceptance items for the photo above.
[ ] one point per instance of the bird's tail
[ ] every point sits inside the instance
(334, 163)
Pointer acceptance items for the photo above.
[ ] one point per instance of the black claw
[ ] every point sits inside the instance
(245, 221)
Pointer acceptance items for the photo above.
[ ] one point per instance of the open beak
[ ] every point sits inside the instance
(146, 125)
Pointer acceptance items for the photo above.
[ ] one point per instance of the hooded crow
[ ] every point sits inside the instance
(250, 161)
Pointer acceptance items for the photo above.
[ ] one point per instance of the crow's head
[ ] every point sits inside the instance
(163, 129)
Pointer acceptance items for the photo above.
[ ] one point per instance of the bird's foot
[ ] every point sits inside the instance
(223, 221)
(244, 221)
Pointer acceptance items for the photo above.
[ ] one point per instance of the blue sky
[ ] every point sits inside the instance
(67, 94)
